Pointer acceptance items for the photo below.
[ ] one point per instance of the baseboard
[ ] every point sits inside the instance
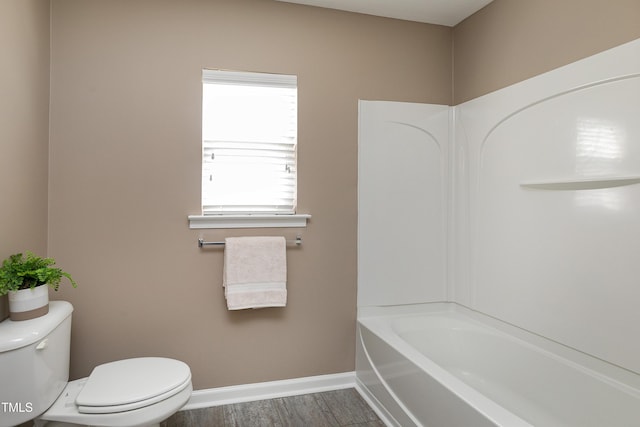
(269, 390)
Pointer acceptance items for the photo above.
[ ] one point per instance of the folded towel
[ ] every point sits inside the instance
(255, 272)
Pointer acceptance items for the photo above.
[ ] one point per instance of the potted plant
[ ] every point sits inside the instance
(23, 279)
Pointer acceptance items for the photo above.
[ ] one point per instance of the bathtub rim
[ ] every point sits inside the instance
(481, 404)
(484, 406)
(379, 320)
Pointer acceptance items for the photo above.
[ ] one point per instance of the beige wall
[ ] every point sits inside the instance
(24, 126)
(125, 173)
(509, 41)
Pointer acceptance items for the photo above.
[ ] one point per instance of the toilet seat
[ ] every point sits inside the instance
(129, 404)
(130, 384)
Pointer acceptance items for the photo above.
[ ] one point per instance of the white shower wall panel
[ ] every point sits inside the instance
(550, 181)
(402, 202)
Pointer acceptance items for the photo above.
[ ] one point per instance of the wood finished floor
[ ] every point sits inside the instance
(339, 408)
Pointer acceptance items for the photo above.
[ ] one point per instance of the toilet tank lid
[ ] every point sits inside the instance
(18, 334)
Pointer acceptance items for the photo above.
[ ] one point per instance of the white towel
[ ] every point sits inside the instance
(255, 272)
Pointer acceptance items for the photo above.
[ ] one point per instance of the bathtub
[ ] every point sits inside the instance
(442, 365)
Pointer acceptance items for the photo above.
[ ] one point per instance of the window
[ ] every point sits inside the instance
(249, 143)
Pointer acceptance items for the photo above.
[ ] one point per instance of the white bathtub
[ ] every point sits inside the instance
(441, 365)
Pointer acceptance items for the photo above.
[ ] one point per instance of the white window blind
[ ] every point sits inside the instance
(249, 143)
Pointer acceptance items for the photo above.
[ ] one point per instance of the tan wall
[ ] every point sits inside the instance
(509, 41)
(24, 127)
(125, 172)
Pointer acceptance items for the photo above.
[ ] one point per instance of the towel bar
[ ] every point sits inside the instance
(202, 242)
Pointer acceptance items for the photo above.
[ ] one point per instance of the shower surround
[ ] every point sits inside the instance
(521, 206)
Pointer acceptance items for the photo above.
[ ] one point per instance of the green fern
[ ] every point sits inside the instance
(18, 272)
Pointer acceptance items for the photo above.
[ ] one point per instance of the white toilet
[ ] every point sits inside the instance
(34, 374)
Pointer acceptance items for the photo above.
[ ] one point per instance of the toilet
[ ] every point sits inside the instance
(34, 380)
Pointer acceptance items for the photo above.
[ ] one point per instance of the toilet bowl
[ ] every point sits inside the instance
(34, 360)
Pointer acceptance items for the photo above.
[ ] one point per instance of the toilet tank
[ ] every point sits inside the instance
(34, 363)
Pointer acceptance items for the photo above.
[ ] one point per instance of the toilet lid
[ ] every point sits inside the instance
(131, 384)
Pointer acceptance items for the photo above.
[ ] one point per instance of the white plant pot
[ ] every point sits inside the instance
(28, 304)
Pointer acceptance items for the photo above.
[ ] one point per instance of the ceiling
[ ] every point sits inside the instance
(441, 12)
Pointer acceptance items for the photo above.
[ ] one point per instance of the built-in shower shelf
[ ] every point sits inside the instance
(582, 183)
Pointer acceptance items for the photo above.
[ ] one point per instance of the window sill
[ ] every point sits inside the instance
(248, 221)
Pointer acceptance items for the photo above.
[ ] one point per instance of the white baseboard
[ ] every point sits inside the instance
(269, 390)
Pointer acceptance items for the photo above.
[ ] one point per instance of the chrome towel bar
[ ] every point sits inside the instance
(202, 242)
